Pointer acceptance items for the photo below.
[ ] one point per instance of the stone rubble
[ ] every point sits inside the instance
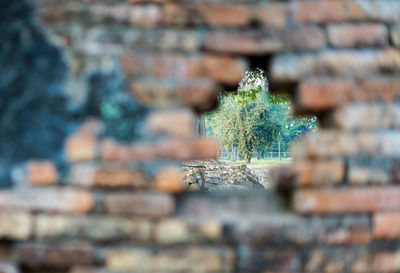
(214, 176)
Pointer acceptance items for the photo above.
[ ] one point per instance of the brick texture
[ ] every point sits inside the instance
(97, 107)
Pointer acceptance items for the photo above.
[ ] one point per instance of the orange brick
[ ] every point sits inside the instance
(355, 35)
(42, 173)
(272, 14)
(321, 172)
(327, 11)
(81, 147)
(218, 15)
(175, 123)
(144, 204)
(170, 180)
(62, 200)
(347, 200)
(386, 225)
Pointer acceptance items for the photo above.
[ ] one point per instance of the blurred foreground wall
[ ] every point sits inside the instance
(97, 107)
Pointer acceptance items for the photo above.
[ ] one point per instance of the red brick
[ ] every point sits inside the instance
(106, 176)
(272, 14)
(380, 116)
(197, 94)
(65, 200)
(327, 93)
(35, 173)
(178, 150)
(355, 35)
(263, 42)
(331, 143)
(347, 200)
(170, 180)
(219, 15)
(348, 63)
(322, 94)
(144, 204)
(61, 256)
(174, 123)
(223, 69)
(81, 147)
(42, 173)
(386, 225)
(321, 172)
(327, 11)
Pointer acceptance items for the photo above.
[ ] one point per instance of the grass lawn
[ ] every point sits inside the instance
(262, 163)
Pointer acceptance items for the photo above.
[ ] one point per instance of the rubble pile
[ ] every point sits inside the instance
(215, 176)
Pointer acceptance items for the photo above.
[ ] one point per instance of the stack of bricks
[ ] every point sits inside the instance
(122, 207)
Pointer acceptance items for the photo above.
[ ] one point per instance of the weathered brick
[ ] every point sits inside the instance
(327, 11)
(380, 116)
(347, 200)
(145, 15)
(35, 173)
(270, 230)
(140, 204)
(175, 149)
(67, 200)
(170, 180)
(223, 69)
(319, 94)
(358, 35)
(352, 259)
(175, 231)
(190, 259)
(58, 256)
(339, 230)
(218, 15)
(200, 95)
(369, 170)
(263, 42)
(356, 63)
(267, 260)
(81, 147)
(272, 14)
(322, 172)
(386, 225)
(174, 123)
(345, 10)
(15, 225)
(97, 228)
(331, 143)
(106, 176)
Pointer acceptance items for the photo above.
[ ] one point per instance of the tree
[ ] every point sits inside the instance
(248, 127)
(251, 120)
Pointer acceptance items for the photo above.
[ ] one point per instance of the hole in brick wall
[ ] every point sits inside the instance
(255, 128)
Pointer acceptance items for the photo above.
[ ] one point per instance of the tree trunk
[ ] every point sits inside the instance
(200, 125)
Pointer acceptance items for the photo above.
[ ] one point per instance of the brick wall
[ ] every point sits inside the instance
(98, 100)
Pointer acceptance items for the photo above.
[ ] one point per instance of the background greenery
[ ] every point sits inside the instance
(252, 122)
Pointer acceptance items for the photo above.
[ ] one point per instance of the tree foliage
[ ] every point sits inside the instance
(252, 121)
